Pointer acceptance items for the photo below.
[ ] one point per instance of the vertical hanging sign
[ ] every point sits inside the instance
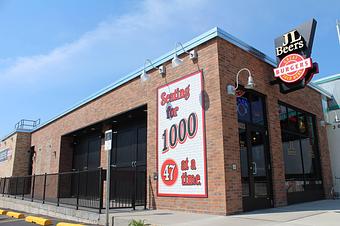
(181, 153)
(293, 50)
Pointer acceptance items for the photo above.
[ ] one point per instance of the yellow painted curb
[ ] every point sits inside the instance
(68, 224)
(15, 215)
(3, 212)
(38, 220)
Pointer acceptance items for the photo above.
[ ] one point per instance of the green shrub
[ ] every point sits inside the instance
(137, 223)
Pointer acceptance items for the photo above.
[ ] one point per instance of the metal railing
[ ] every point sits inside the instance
(80, 188)
(27, 124)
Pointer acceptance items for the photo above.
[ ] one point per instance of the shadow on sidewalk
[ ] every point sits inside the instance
(321, 205)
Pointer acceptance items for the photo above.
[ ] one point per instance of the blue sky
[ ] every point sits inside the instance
(55, 53)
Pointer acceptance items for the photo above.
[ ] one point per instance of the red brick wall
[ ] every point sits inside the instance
(231, 60)
(135, 93)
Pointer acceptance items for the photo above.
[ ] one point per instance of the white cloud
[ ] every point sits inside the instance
(111, 39)
(44, 85)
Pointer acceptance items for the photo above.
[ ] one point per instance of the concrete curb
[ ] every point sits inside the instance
(3, 212)
(61, 212)
(38, 220)
(15, 215)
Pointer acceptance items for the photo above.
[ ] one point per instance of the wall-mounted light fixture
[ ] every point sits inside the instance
(336, 118)
(176, 61)
(145, 77)
(250, 84)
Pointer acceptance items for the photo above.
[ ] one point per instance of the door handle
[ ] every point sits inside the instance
(254, 168)
(133, 163)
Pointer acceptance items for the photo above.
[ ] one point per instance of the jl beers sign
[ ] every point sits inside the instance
(293, 49)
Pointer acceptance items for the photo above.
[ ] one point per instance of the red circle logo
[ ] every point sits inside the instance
(292, 68)
(169, 172)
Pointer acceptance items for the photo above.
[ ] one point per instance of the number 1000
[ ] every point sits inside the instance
(180, 132)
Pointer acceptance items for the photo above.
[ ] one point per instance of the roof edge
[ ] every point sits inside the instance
(212, 33)
(327, 79)
(239, 43)
(14, 132)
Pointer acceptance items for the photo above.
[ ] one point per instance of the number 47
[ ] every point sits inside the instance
(169, 172)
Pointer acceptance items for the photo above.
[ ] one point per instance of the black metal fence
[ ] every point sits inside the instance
(80, 188)
(128, 187)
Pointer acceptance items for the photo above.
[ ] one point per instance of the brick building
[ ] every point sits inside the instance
(258, 150)
(15, 155)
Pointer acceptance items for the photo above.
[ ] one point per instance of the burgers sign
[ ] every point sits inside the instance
(292, 68)
(293, 49)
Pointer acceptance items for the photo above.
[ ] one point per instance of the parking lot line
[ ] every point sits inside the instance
(11, 220)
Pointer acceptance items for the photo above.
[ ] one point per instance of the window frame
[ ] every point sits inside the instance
(317, 175)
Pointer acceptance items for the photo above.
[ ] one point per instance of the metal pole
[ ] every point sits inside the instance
(108, 183)
(100, 187)
(78, 188)
(9, 186)
(44, 193)
(3, 191)
(33, 184)
(23, 188)
(145, 189)
(108, 148)
(134, 187)
(16, 187)
(58, 189)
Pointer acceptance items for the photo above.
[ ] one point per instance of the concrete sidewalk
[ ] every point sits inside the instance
(319, 213)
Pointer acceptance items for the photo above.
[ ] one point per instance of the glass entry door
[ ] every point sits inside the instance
(255, 168)
(254, 152)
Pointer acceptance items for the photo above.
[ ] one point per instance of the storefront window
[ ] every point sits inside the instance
(292, 156)
(302, 164)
